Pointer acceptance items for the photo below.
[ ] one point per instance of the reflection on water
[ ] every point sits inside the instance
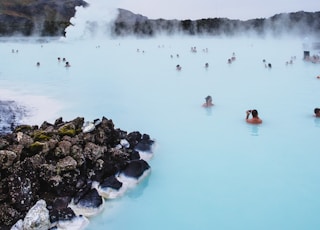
(208, 111)
(317, 122)
(253, 129)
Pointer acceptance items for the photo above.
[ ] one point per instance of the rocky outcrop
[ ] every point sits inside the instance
(59, 163)
(36, 17)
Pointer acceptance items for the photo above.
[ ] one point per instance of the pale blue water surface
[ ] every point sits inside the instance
(211, 170)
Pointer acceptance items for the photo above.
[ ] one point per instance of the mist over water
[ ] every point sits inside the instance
(211, 170)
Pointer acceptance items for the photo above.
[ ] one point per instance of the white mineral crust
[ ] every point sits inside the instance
(37, 217)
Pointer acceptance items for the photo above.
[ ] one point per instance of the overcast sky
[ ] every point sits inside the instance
(232, 9)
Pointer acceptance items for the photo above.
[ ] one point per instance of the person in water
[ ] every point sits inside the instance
(317, 112)
(208, 102)
(255, 118)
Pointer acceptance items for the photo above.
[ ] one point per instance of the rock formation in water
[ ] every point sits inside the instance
(51, 17)
(58, 163)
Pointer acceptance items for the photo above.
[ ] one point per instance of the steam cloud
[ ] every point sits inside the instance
(93, 21)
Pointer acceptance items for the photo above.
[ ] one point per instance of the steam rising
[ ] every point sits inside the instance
(93, 21)
(102, 19)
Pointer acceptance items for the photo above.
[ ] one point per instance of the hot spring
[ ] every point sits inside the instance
(211, 170)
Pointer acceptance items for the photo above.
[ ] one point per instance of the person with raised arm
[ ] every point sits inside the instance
(255, 118)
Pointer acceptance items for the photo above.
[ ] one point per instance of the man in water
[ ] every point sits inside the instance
(317, 112)
(208, 102)
(255, 118)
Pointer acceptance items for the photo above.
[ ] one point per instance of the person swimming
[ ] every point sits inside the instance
(208, 102)
(255, 118)
(317, 112)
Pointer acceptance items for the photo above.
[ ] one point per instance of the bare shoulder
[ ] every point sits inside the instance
(254, 121)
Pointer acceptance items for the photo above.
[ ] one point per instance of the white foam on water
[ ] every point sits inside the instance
(86, 211)
(77, 223)
(38, 108)
(130, 182)
(147, 156)
(110, 193)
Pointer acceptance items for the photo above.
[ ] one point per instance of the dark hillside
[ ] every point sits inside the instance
(298, 23)
(51, 17)
(41, 17)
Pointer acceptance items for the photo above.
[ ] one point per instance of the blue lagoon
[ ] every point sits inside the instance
(211, 170)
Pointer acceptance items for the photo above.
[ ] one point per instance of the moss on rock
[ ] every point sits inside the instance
(36, 147)
(67, 130)
(23, 128)
(41, 136)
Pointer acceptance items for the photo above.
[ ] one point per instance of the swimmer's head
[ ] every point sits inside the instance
(317, 110)
(208, 98)
(254, 113)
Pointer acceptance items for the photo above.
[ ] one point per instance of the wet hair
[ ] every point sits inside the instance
(316, 110)
(254, 113)
(208, 98)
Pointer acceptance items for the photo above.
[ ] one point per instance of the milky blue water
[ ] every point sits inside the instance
(211, 170)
